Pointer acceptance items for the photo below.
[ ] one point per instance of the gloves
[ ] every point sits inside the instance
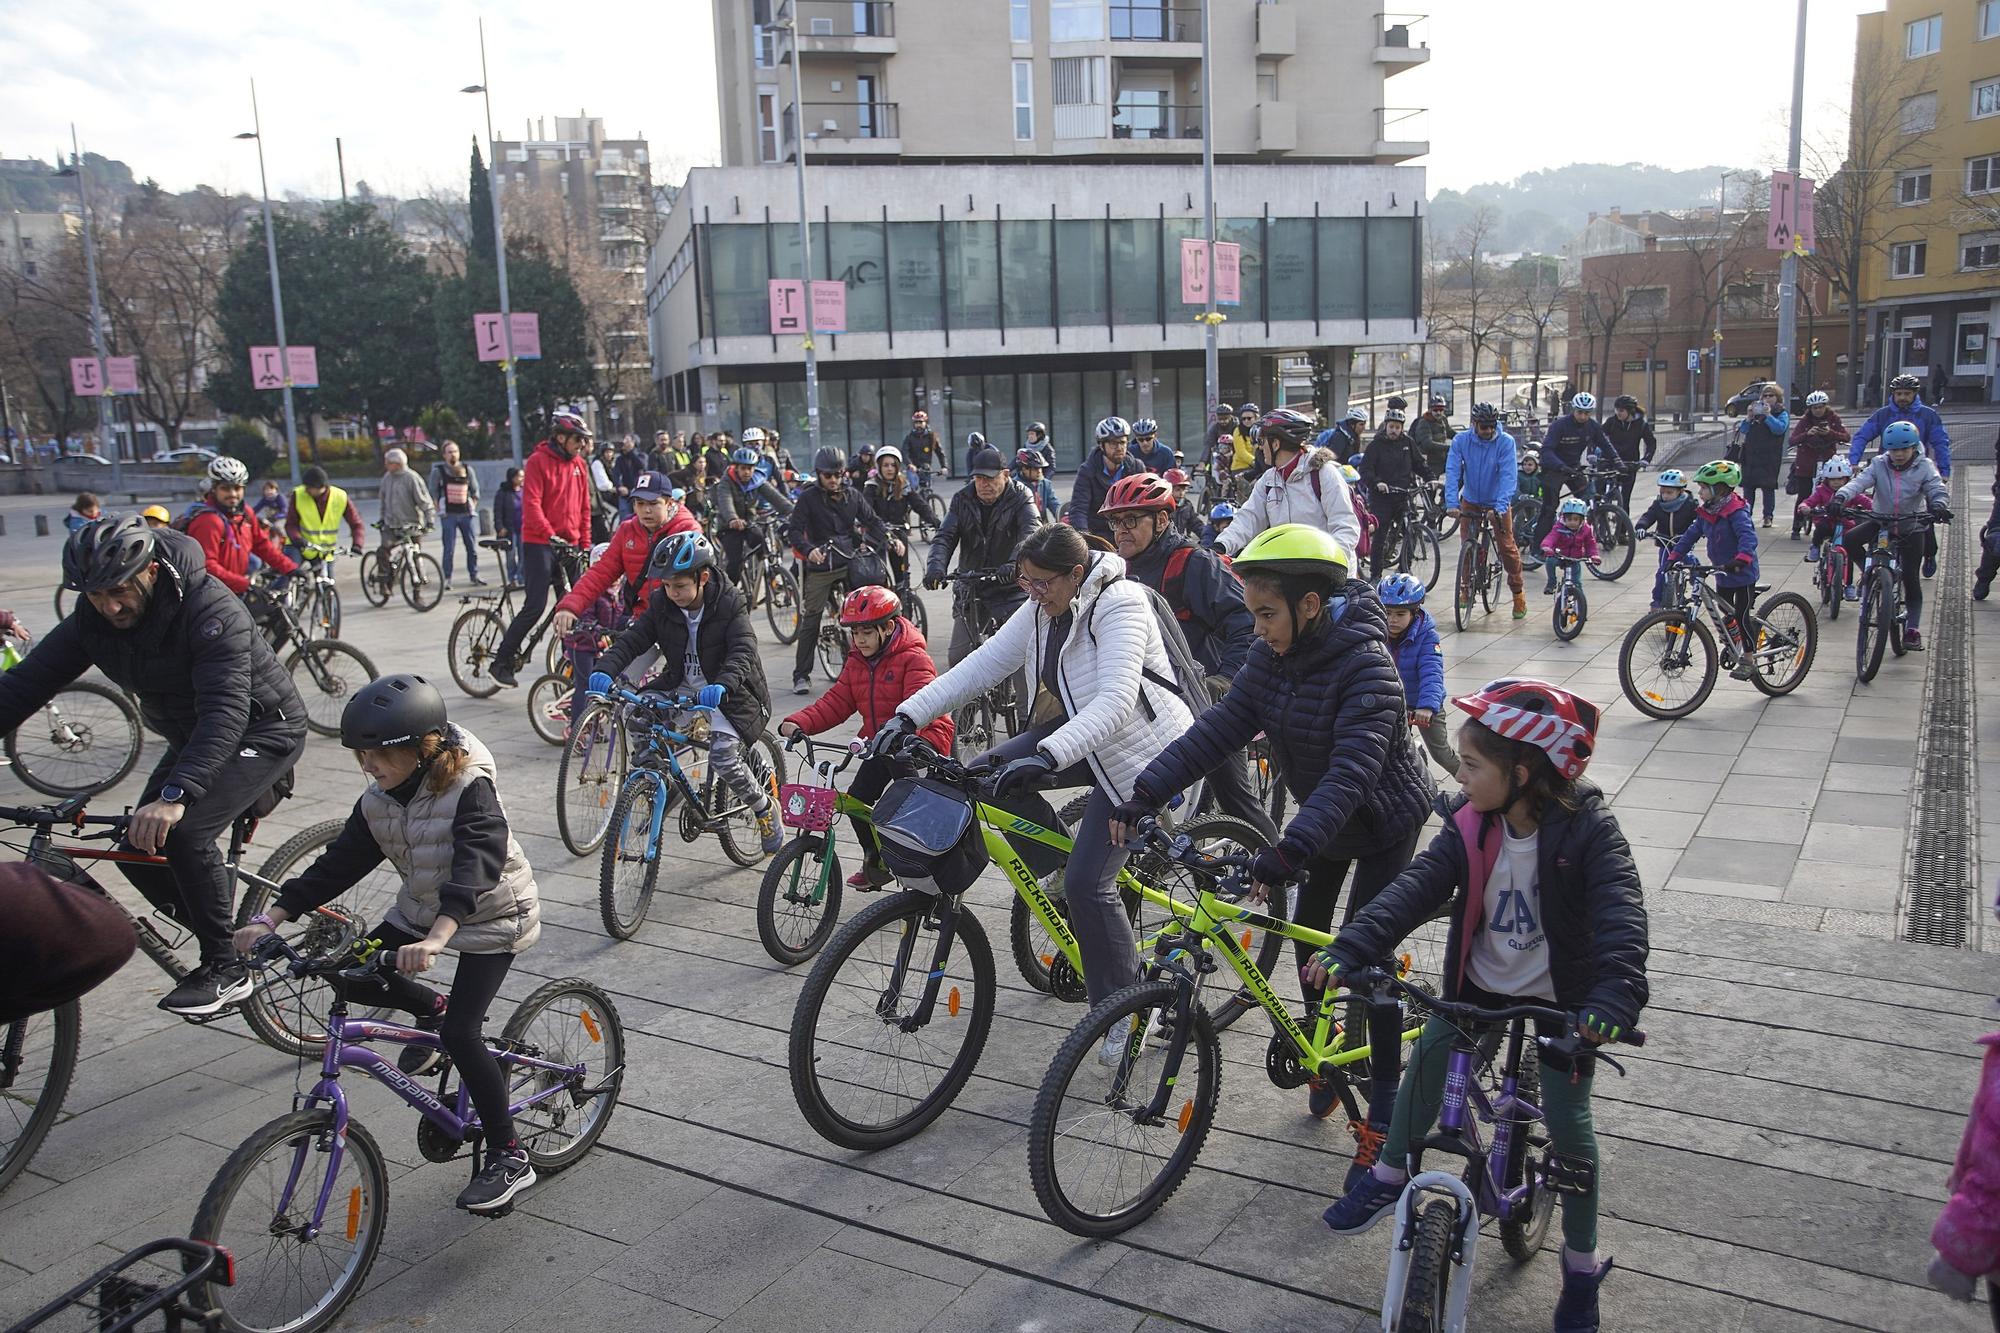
(1599, 1026)
(1940, 513)
(1272, 866)
(1131, 812)
(599, 683)
(891, 736)
(933, 582)
(1019, 776)
(710, 696)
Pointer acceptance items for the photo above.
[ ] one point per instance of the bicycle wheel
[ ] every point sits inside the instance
(45, 1044)
(1898, 615)
(1225, 998)
(62, 602)
(588, 779)
(781, 603)
(1464, 586)
(871, 1062)
(1834, 569)
(378, 577)
(976, 730)
(1787, 639)
(259, 1208)
(566, 1022)
(1489, 572)
(470, 650)
(798, 904)
(1423, 556)
(742, 841)
(627, 876)
(548, 706)
(1427, 1285)
(1615, 543)
(1568, 610)
(1099, 1164)
(832, 645)
(1524, 1238)
(1877, 610)
(1668, 664)
(422, 581)
(85, 739)
(928, 512)
(326, 610)
(913, 607)
(288, 1014)
(327, 673)
(1033, 947)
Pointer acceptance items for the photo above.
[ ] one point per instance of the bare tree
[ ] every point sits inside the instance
(1540, 299)
(1471, 296)
(42, 325)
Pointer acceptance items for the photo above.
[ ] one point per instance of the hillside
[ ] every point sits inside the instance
(1543, 209)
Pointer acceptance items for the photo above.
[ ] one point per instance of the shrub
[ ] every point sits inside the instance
(242, 440)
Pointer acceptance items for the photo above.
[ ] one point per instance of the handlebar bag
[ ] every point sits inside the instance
(930, 838)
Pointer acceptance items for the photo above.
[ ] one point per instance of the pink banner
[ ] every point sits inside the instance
(298, 367)
(829, 306)
(85, 376)
(788, 306)
(123, 373)
(491, 345)
(527, 327)
(1790, 224)
(302, 367)
(1228, 273)
(486, 337)
(267, 368)
(1194, 272)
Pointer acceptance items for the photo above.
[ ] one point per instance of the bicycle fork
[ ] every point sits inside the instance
(1464, 1248)
(892, 995)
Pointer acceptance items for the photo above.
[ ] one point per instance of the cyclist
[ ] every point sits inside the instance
(1029, 469)
(1833, 474)
(828, 511)
(1322, 686)
(1545, 908)
(1219, 519)
(1723, 519)
(657, 513)
(1903, 483)
(1759, 445)
(889, 493)
(555, 502)
(1105, 466)
(1344, 436)
(986, 521)
(155, 621)
(1154, 454)
(1572, 538)
(1905, 405)
(1670, 513)
(922, 446)
(156, 516)
(1187, 519)
(743, 497)
(1481, 475)
(1817, 434)
(1293, 488)
(1206, 598)
(1632, 440)
(404, 501)
(1036, 437)
(433, 812)
(1573, 443)
(1433, 433)
(862, 466)
(1220, 451)
(312, 524)
(228, 533)
(1419, 653)
(1392, 461)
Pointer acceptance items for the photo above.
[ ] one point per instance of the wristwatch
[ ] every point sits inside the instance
(175, 793)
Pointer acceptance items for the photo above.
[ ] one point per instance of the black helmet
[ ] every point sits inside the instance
(1039, 428)
(1283, 425)
(829, 459)
(1910, 382)
(1397, 402)
(1626, 401)
(1485, 414)
(395, 710)
(107, 552)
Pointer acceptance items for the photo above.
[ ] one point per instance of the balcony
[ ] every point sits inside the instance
(1156, 22)
(1277, 32)
(839, 28)
(620, 170)
(1277, 127)
(1153, 121)
(870, 128)
(1401, 133)
(1395, 47)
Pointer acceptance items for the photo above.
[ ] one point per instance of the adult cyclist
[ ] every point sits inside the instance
(828, 511)
(1480, 476)
(986, 522)
(1154, 454)
(922, 446)
(1631, 436)
(1572, 444)
(162, 627)
(555, 502)
(1107, 465)
(312, 524)
(230, 534)
(743, 497)
(1905, 405)
(1293, 488)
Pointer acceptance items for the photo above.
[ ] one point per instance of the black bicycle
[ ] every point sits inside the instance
(474, 643)
(1884, 615)
(1409, 541)
(1000, 712)
(768, 578)
(137, 1289)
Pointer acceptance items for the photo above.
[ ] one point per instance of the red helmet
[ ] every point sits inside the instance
(869, 606)
(1147, 491)
(1562, 724)
(1176, 477)
(567, 423)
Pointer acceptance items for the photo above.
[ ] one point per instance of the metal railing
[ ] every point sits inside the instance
(847, 120)
(847, 18)
(1139, 21)
(1396, 28)
(1143, 120)
(1402, 124)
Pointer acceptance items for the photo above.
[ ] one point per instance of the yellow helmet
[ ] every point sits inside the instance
(1294, 548)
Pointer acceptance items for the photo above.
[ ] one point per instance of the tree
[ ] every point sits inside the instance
(1540, 297)
(44, 321)
(1469, 295)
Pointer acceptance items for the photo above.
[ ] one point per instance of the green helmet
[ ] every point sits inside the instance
(1294, 548)
(1721, 472)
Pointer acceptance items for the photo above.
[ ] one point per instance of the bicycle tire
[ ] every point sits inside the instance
(597, 753)
(327, 609)
(1033, 949)
(1675, 625)
(1050, 1146)
(1462, 585)
(1615, 543)
(1899, 624)
(974, 729)
(64, 1025)
(971, 957)
(1873, 635)
(1489, 571)
(323, 687)
(604, 1033)
(79, 736)
(781, 605)
(422, 581)
(1426, 557)
(929, 513)
(742, 841)
(1836, 578)
(1802, 659)
(470, 650)
(1427, 1285)
(1568, 612)
(376, 583)
(832, 645)
(1265, 948)
(622, 900)
(263, 1235)
(61, 602)
(913, 607)
(544, 697)
(1524, 1238)
(785, 881)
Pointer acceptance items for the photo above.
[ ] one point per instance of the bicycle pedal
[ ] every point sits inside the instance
(1566, 1174)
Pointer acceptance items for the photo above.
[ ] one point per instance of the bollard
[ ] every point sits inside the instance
(41, 525)
(485, 524)
(3, 525)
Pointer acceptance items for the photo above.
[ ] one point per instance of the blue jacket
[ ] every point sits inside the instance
(1158, 459)
(1732, 541)
(1570, 442)
(1420, 659)
(507, 511)
(1481, 472)
(1930, 428)
(1044, 495)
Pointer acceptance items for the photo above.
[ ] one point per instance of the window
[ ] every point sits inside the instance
(1020, 21)
(1267, 81)
(1080, 261)
(1024, 268)
(1646, 303)
(1913, 187)
(1982, 174)
(764, 42)
(1024, 101)
(1918, 114)
(767, 125)
(971, 275)
(1907, 260)
(1744, 301)
(1076, 20)
(1135, 270)
(1923, 37)
(1981, 250)
(914, 276)
(27, 244)
(1077, 92)
(1986, 99)
(1989, 19)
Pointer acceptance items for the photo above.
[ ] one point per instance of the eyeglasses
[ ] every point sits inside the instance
(1127, 522)
(1039, 587)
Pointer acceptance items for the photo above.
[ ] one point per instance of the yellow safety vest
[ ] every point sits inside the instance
(322, 537)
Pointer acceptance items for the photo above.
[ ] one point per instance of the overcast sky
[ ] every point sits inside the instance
(1514, 85)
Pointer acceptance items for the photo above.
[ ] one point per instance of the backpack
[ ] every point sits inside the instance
(1190, 681)
(1173, 585)
(186, 516)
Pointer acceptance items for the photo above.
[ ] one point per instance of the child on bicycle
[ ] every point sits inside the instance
(1967, 1233)
(1419, 654)
(1669, 514)
(1826, 525)
(1545, 907)
(1572, 538)
(1028, 470)
(697, 622)
(432, 811)
(85, 511)
(1723, 520)
(1219, 519)
(1905, 483)
(886, 664)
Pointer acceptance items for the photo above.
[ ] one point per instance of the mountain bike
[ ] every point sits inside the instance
(1479, 567)
(475, 636)
(314, 596)
(400, 561)
(325, 672)
(85, 738)
(1437, 1218)
(833, 643)
(1883, 614)
(1410, 542)
(1833, 575)
(999, 713)
(135, 1289)
(893, 1017)
(1669, 661)
(1429, 504)
(303, 1202)
(595, 759)
(768, 578)
(1571, 609)
(929, 508)
(905, 587)
(798, 904)
(1615, 542)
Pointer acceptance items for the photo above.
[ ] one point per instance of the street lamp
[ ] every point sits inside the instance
(277, 292)
(106, 438)
(493, 176)
(787, 22)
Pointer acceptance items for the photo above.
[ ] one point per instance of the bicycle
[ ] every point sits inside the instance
(591, 773)
(1607, 517)
(325, 672)
(551, 698)
(313, 595)
(833, 642)
(303, 1202)
(1479, 568)
(767, 578)
(929, 509)
(1571, 608)
(1152, 1103)
(998, 713)
(1437, 1218)
(474, 641)
(885, 1035)
(1833, 575)
(1410, 540)
(798, 903)
(1883, 614)
(83, 740)
(658, 780)
(399, 561)
(114, 1300)
(905, 589)
(1657, 664)
(1429, 503)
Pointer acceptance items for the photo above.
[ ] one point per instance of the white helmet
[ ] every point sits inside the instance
(1114, 428)
(889, 451)
(226, 471)
(597, 551)
(1817, 398)
(1583, 402)
(754, 435)
(1357, 414)
(1836, 469)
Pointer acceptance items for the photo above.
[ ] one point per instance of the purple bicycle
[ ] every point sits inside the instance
(1438, 1216)
(303, 1202)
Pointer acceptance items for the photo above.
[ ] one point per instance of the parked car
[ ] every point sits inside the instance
(98, 459)
(1740, 404)
(187, 453)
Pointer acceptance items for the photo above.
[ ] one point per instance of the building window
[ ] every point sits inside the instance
(1646, 303)
(1986, 99)
(1077, 91)
(765, 43)
(27, 244)
(1076, 20)
(1020, 21)
(1913, 187)
(1267, 81)
(1923, 37)
(1989, 19)
(767, 125)
(1024, 101)
(1918, 115)
(1982, 174)
(1907, 260)
(1979, 251)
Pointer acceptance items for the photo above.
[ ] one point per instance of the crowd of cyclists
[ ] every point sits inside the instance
(1152, 639)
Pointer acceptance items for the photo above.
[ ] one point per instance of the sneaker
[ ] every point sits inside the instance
(210, 990)
(1930, 566)
(767, 826)
(416, 1061)
(477, 582)
(1767, 520)
(1369, 1136)
(802, 685)
(1359, 1209)
(1112, 1050)
(1742, 670)
(1980, 587)
(504, 1175)
(502, 673)
(872, 876)
(447, 585)
(1520, 606)
(1812, 554)
(1322, 1096)
(1576, 1310)
(1853, 593)
(1913, 641)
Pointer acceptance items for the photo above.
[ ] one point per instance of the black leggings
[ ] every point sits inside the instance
(539, 568)
(473, 988)
(871, 779)
(1910, 554)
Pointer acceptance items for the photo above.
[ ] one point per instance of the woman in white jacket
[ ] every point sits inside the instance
(1084, 634)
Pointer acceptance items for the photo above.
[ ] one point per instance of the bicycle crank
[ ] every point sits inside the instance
(1065, 982)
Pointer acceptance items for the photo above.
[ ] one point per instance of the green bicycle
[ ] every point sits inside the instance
(798, 904)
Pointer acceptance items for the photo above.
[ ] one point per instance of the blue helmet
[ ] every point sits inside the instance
(1401, 590)
(1222, 511)
(1354, 460)
(1573, 505)
(1901, 435)
(681, 554)
(745, 456)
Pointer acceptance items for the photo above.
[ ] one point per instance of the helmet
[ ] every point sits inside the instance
(1357, 414)
(1250, 409)
(1836, 469)
(1398, 402)
(744, 457)
(1673, 477)
(1721, 472)
(1909, 382)
(1562, 724)
(1626, 401)
(864, 454)
(1147, 491)
(1350, 474)
(1113, 428)
(1221, 511)
(1285, 426)
(158, 512)
(754, 435)
(681, 554)
(889, 451)
(227, 471)
(974, 440)
(567, 423)
(1583, 402)
(1531, 456)
(597, 551)
(1572, 504)
(395, 710)
(1393, 414)
(829, 459)
(1817, 398)
(1901, 435)
(1437, 403)
(1145, 426)
(1224, 410)
(869, 606)
(1401, 590)
(1485, 414)
(1028, 458)
(107, 552)
(1176, 477)
(1294, 548)
(1039, 428)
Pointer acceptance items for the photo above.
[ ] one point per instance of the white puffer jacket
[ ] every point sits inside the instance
(1296, 498)
(1118, 719)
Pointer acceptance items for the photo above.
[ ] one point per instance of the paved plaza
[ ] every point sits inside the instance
(1773, 1163)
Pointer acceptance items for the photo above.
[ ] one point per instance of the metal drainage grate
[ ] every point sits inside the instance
(1941, 880)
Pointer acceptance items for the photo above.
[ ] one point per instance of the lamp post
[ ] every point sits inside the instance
(493, 176)
(1721, 285)
(788, 22)
(277, 291)
(1210, 358)
(1784, 362)
(106, 437)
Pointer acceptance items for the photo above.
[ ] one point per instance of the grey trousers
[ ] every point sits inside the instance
(1437, 738)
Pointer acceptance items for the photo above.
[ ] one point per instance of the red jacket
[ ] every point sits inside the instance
(875, 688)
(229, 542)
(555, 498)
(631, 547)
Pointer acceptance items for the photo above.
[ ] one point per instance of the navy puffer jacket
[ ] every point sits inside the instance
(1334, 712)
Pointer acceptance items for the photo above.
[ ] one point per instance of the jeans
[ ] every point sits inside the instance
(457, 528)
(818, 584)
(1770, 494)
(539, 568)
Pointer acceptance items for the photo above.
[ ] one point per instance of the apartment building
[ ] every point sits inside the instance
(30, 240)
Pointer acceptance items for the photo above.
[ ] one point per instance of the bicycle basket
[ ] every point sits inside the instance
(806, 807)
(930, 840)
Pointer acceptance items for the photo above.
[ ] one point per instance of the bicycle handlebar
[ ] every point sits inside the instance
(827, 769)
(1378, 986)
(70, 812)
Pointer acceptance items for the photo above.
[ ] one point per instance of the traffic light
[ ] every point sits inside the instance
(1815, 349)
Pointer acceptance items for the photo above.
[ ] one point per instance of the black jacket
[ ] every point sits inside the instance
(1669, 522)
(1398, 462)
(205, 678)
(1592, 907)
(819, 518)
(1632, 439)
(733, 501)
(1207, 600)
(890, 508)
(1333, 711)
(1094, 480)
(726, 648)
(983, 535)
(923, 448)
